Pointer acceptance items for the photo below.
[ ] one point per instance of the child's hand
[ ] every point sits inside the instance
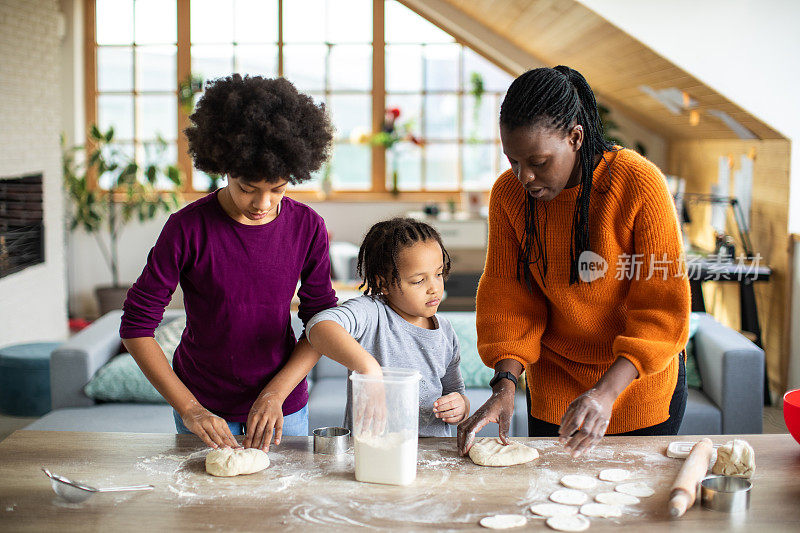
(452, 408)
(213, 430)
(264, 420)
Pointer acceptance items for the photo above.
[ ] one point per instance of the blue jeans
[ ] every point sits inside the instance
(294, 425)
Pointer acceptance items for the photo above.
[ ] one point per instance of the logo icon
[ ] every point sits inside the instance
(591, 266)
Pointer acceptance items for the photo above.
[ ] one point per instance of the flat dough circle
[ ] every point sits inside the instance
(640, 490)
(569, 497)
(492, 452)
(614, 474)
(553, 509)
(226, 462)
(601, 510)
(616, 498)
(569, 523)
(503, 521)
(578, 481)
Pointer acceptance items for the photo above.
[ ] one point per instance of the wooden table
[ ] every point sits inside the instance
(301, 491)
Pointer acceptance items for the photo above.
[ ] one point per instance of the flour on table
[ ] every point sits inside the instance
(601, 510)
(735, 458)
(503, 521)
(640, 490)
(577, 481)
(616, 498)
(569, 497)
(569, 523)
(492, 452)
(552, 509)
(227, 462)
(614, 474)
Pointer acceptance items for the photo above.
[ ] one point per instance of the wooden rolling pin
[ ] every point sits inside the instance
(684, 490)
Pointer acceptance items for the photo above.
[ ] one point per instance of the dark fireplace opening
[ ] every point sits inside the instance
(21, 223)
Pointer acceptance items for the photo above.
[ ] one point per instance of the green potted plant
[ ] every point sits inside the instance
(132, 194)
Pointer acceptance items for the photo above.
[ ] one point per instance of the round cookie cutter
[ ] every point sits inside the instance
(725, 493)
(331, 440)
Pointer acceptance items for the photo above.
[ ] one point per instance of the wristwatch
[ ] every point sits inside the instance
(503, 375)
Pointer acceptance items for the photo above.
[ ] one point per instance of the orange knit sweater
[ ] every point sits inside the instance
(568, 336)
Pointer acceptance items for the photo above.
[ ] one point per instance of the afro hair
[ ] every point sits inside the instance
(258, 129)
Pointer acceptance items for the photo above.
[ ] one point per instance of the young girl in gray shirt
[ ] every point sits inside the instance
(403, 265)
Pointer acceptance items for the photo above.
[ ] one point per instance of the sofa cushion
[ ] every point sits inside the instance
(326, 402)
(124, 418)
(702, 416)
(121, 379)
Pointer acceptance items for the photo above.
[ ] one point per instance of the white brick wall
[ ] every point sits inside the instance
(33, 302)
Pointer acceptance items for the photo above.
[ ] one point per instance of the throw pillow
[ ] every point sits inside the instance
(693, 379)
(474, 373)
(121, 379)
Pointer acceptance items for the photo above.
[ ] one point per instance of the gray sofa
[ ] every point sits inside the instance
(730, 401)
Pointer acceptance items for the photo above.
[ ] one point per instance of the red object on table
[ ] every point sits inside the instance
(791, 413)
(77, 324)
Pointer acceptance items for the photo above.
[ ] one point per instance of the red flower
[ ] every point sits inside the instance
(395, 111)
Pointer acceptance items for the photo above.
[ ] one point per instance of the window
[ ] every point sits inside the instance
(145, 48)
(429, 78)
(136, 75)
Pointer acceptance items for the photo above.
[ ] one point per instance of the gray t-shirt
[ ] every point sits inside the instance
(394, 342)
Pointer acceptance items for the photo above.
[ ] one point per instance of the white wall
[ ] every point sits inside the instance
(747, 50)
(33, 301)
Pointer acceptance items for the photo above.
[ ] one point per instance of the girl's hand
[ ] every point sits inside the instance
(585, 421)
(213, 430)
(452, 408)
(264, 421)
(499, 408)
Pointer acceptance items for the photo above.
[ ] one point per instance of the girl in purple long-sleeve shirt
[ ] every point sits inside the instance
(238, 254)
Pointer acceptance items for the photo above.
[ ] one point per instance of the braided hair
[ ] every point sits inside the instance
(377, 257)
(558, 98)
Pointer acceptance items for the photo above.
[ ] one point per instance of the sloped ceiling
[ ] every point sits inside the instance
(615, 64)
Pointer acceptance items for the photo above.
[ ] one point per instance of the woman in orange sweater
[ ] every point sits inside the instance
(585, 287)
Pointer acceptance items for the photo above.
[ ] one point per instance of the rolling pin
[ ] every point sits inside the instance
(684, 490)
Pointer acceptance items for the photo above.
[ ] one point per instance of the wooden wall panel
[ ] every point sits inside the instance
(698, 163)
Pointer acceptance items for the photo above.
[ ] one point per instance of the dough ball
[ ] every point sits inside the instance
(640, 490)
(491, 452)
(226, 462)
(735, 458)
(616, 498)
(601, 510)
(569, 497)
(577, 481)
(552, 509)
(568, 523)
(503, 521)
(614, 474)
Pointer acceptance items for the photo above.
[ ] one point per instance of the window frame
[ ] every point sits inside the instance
(378, 190)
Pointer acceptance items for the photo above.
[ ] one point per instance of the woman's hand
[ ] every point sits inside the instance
(264, 420)
(585, 421)
(451, 408)
(499, 409)
(213, 430)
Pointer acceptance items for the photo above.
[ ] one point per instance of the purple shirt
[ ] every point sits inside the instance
(238, 282)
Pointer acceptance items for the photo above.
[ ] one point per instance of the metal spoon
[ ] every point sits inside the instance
(76, 492)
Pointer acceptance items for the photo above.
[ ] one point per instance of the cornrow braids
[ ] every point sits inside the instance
(377, 257)
(559, 98)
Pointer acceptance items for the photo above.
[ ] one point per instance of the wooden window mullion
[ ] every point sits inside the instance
(378, 93)
(184, 72)
(90, 75)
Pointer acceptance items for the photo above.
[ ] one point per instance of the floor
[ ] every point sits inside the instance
(773, 422)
